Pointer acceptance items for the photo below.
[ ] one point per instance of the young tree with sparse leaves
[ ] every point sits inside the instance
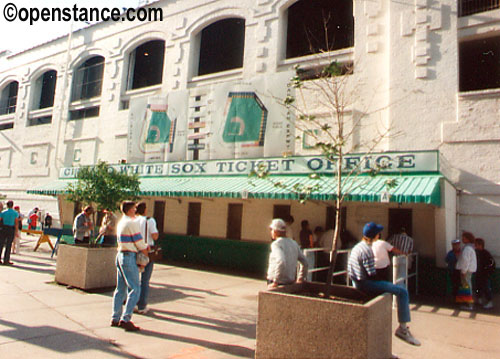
(328, 91)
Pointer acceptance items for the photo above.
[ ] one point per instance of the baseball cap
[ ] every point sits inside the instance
(371, 229)
(278, 225)
(455, 241)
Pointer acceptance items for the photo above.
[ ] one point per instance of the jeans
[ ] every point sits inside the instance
(382, 286)
(127, 285)
(145, 277)
(6, 237)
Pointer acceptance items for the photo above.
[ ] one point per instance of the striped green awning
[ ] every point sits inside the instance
(406, 189)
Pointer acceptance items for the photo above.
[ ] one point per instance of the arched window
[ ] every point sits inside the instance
(146, 64)
(87, 81)
(8, 98)
(221, 46)
(319, 26)
(45, 87)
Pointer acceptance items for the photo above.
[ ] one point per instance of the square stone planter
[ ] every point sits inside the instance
(86, 268)
(291, 325)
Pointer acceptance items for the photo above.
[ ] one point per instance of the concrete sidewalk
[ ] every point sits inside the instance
(195, 314)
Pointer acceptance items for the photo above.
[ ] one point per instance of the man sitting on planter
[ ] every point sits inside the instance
(285, 253)
(130, 242)
(361, 268)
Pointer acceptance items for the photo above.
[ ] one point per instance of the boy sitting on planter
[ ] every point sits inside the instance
(361, 268)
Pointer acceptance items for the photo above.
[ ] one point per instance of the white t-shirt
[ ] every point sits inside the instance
(381, 251)
(151, 229)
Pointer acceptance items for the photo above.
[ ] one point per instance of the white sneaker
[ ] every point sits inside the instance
(488, 305)
(406, 336)
(143, 311)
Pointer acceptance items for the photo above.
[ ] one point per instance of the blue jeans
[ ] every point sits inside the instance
(145, 277)
(382, 286)
(127, 285)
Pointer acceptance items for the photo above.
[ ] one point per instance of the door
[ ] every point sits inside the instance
(234, 219)
(281, 211)
(399, 218)
(194, 216)
(159, 215)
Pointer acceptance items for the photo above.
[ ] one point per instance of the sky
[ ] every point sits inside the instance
(17, 35)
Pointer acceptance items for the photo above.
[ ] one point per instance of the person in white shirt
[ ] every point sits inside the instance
(149, 232)
(285, 253)
(467, 264)
(130, 243)
(381, 250)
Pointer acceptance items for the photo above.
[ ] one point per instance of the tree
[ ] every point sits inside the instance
(103, 187)
(321, 100)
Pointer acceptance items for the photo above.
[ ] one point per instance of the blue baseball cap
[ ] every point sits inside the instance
(371, 229)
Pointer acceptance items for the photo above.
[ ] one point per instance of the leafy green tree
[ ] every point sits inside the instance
(103, 187)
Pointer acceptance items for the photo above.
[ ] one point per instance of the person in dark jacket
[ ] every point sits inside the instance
(485, 268)
(48, 220)
(451, 259)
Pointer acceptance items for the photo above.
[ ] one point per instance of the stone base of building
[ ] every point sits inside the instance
(86, 268)
(293, 323)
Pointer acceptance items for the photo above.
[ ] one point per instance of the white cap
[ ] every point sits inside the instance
(278, 225)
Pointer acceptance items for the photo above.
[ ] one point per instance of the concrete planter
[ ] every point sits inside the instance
(291, 325)
(86, 268)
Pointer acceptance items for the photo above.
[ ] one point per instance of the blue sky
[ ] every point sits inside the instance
(17, 35)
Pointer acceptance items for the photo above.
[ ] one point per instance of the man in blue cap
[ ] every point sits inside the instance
(361, 268)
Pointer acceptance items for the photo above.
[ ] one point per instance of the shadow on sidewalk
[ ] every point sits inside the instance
(236, 350)
(32, 266)
(241, 329)
(439, 303)
(161, 292)
(58, 340)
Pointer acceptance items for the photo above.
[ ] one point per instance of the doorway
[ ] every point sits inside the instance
(399, 218)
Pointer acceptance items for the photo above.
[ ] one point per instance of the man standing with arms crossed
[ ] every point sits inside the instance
(150, 234)
(130, 242)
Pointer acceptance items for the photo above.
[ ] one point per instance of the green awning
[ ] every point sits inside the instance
(407, 189)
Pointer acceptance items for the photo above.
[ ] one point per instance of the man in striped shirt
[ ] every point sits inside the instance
(361, 269)
(402, 241)
(130, 242)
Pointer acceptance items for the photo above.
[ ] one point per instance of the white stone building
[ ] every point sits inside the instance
(427, 70)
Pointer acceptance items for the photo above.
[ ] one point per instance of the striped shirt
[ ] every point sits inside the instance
(403, 242)
(129, 236)
(361, 264)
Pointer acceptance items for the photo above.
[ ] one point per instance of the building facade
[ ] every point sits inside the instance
(202, 85)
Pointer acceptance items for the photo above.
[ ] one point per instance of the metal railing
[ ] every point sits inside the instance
(403, 269)
(310, 254)
(469, 7)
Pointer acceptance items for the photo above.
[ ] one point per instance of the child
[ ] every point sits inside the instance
(485, 268)
(451, 259)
